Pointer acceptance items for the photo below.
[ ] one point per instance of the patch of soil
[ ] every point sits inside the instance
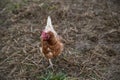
(90, 30)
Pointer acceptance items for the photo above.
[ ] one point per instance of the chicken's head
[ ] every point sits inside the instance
(45, 35)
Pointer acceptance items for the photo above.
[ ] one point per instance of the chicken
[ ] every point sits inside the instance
(51, 45)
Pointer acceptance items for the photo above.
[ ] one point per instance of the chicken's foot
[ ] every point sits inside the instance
(51, 64)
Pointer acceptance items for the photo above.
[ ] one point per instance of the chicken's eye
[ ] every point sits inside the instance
(48, 36)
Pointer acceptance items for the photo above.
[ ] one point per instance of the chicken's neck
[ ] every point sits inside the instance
(52, 41)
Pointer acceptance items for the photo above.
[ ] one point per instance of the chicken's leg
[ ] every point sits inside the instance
(51, 64)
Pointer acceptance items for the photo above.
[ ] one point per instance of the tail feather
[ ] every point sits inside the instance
(49, 23)
(49, 26)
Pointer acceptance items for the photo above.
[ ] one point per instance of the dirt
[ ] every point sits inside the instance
(90, 31)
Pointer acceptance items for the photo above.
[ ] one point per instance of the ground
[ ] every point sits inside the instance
(90, 30)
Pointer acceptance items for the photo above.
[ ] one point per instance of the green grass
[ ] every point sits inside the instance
(52, 76)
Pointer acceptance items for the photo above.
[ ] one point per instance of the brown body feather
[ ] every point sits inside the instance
(52, 47)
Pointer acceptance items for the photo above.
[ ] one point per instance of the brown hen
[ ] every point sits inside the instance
(51, 45)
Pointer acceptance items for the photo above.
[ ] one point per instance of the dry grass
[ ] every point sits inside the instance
(90, 30)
